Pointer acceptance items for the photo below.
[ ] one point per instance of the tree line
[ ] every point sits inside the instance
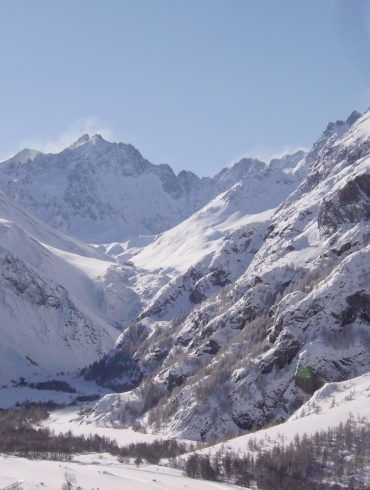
(333, 459)
(20, 435)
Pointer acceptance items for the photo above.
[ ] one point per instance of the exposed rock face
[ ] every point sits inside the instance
(358, 308)
(296, 317)
(350, 204)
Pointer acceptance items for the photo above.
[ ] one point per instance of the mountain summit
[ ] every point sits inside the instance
(101, 192)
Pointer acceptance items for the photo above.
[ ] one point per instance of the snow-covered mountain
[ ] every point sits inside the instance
(61, 189)
(49, 308)
(104, 192)
(238, 295)
(296, 317)
(214, 246)
(96, 190)
(254, 191)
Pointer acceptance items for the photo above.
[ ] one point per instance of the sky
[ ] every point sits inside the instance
(196, 84)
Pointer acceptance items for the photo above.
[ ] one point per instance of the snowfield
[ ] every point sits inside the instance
(68, 419)
(95, 472)
(333, 404)
(253, 199)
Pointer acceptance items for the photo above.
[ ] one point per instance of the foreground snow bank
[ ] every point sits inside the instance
(93, 471)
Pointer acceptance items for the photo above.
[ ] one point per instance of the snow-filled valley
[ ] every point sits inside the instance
(232, 307)
(333, 404)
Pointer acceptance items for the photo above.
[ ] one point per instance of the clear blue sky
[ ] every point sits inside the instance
(193, 83)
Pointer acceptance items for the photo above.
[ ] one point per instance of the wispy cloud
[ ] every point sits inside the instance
(266, 154)
(90, 125)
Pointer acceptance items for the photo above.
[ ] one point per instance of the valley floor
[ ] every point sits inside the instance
(64, 420)
(330, 406)
(94, 472)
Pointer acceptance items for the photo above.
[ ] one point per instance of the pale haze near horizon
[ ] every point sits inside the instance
(195, 84)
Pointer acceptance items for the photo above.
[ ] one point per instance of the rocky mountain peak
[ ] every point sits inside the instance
(81, 141)
(352, 118)
(24, 156)
(339, 127)
(97, 138)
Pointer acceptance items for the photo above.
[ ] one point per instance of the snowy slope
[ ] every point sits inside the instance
(330, 406)
(94, 471)
(49, 308)
(67, 419)
(201, 234)
(12, 212)
(124, 251)
(251, 199)
(309, 276)
(214, 246)
(42, 328)
(72, 263)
